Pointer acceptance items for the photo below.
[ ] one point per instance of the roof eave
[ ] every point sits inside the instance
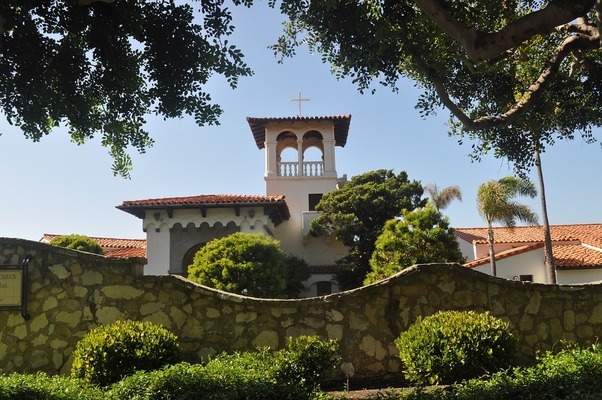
(341, 127)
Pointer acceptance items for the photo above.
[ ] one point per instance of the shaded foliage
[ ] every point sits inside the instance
(357, 213)
(99, 67)
(513, 75)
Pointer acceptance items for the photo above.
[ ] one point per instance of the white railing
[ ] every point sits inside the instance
(310, 168)
(288, 169)
(313, 168)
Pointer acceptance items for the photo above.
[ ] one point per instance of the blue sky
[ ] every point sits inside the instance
(58, 187)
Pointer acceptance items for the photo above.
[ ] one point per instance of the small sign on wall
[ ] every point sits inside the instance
(13, 287)
(11, 284)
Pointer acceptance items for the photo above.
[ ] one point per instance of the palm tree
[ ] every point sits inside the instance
(495, 204)
(440, 199)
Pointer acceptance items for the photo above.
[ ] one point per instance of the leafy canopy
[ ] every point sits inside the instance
(357, 214)
(420, 236)
(512, 74)
(249, 264)
(99, 67)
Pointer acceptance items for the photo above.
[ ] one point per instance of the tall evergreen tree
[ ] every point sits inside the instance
(357, 214)
(418, 237)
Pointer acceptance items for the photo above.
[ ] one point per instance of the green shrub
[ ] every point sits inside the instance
(308, 360)
(451, 346)
(42, 387)
(572, 374)
(243, 263)
(109, 353)
(222, 380)
(78, 242)
(263, 374)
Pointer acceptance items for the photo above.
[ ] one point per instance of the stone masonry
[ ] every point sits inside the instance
(71, 292)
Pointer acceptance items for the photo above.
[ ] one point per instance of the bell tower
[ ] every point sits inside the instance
(292, 172)
(296, 174)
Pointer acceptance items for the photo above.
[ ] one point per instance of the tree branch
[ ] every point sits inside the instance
(88, 2)
(530, 96)
(481, 45)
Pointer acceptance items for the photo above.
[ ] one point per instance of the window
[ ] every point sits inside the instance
(314, 199)
(526, 278)
(323, 288)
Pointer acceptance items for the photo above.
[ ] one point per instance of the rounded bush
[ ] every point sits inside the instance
(109, 353)
(78, 242)
(242, 263)
(451, 346)
(307, 360)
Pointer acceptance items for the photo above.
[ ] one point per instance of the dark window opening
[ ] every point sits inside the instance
(314, 199)
(526, 278)
(323, 288)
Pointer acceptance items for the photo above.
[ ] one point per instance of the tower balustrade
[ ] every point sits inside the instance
(309, 168)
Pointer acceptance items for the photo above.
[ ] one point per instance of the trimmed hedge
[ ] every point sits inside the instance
(109, 353)
(42, 387)
(451, 346)
(264, 374)
(572, 374)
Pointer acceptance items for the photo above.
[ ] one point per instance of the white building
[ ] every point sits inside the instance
(519, 252)
(299, 168)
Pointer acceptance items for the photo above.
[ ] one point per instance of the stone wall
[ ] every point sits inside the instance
(71, 292)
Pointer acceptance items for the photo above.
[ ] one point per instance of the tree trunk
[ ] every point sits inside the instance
(548, 253)
(491, 252)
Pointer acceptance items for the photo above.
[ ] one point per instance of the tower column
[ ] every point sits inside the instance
(271, 158)
(329, 169)
(300, 156)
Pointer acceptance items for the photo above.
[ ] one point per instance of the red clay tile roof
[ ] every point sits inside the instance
(577, 256)
(341, 127)
(574, 246)
(590, 234)
(207, 199)
(113, 247)
(126, 253)
(278, 208)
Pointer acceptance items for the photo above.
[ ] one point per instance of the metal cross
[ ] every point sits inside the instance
(299, 100)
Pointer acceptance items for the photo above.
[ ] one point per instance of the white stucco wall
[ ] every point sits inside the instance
(482, 249)
(158, 226)
(528, 263)
(578, 276)
(467, 249)
(157, 249)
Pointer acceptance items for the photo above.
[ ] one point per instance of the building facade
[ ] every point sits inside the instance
(300, 167)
